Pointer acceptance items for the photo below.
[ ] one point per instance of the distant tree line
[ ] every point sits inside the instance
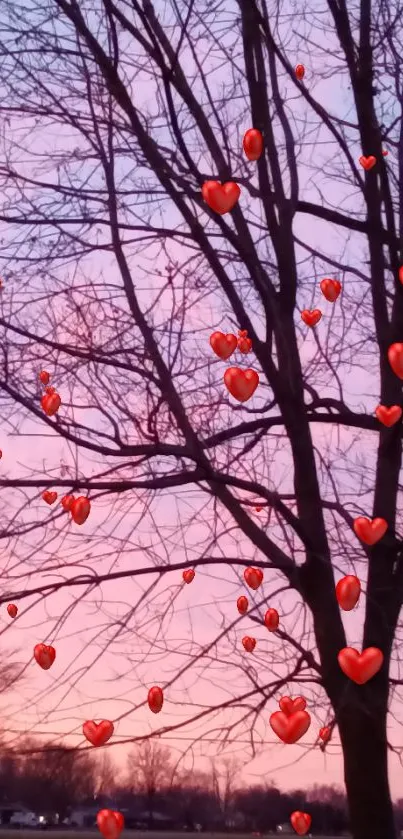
(60, 779)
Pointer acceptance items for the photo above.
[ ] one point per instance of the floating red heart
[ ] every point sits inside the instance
(367, 163)
(291, 728)
(388, 416)
(241, 383)
(244, 345)
(12, 610)
(242, 605)
(44, 655)
(301, 822)
(401, 274)
(253, 577)
(258, 509)
(395, 356)
(300, 72)
(325, 733)
(50, 389)
(385, 153)
(80, 509)
(330, 289)
(311, 317)
(271, 620)
(348, 591)
(110, 823)
(49, 497)
(223, 345)
(249, 643)
(155, 699)
(370, 531)
(221, 197)
(67, 502)
(253, 144)
(360, 667)
(1, 454)
(188, 575)
(44, 377)
(50, 403)
(98, 733)
(290, 706)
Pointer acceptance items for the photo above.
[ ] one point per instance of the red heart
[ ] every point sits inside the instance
(44, 655)
(155, 699)
(253, 577)
(330, 289)
(290, 706)
(50, 403)
(271, 620)
(44, 377)
(367, 162)
(244, 345)
(348, 590)
(401, 274)
(67, 502)
(49, 497)
(370, 531)
(258, 509)
(98, 733)
(12, 610)
(388, 416)
(223, 345)
(249, 643)
(311, 318)
(241, 383)
(253, 144)
(80, 509)
(360, 667)
(188, 575)
(290, 729)
(300, 72)
(242, 605)
(221, 197)
(301, 822)
(395, 356)
(325, 733)
(110, 823)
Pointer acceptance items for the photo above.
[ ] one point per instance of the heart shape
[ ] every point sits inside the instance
(401, 274)
(12, 610)
(325, 733)
(249, 643)
(221, 197)
(291, 728)
(223, 345)
(253, 144)
(44, 377)
(253, 577)
(155, 699)
(311, 318)
(367, 163)
(348, 590)
(360, 667)
(49, 497)
(50, 403)
(244, 345)
(388, 416)
(110, 823)
(188, 575)
(301, 822)
(241, 383)
(242, 604)
(300, 72)
(98, 733)
(290, 706)
(80, 509)
(330, 289)
(370, 531)
(67, 502)
(44, 655)
(271, 620)
(395, 356)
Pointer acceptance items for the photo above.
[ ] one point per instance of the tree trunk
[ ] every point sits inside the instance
(362, 727)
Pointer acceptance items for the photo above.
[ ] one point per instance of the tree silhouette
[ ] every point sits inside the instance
(115, 274)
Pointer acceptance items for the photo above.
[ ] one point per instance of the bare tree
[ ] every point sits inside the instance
(115, 274)
(150, 771)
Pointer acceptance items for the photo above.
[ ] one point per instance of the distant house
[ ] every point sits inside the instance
(85, 815)
(7, 809)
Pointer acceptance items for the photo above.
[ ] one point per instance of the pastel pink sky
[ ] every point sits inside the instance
(88, 683)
